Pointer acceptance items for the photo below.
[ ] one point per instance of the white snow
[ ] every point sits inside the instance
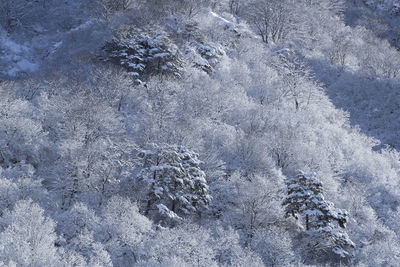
(15, 58)
(227, 25)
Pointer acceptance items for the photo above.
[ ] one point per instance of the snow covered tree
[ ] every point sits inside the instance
(144, 54)
(243, 201)
(184, 9)
(21, 137)
(234, 6)
(298, 84)
(188, 8)
(177, 185)
(298, 190)
(123, 230)
(115, 5)
(341, 46)
(271, 19)
(194, 245)
(115, 86)
(78, 227)
(93, 253)
(304, 197)
(27, 237)
(109, 8)
(15, 186)
(208, 56)
(87, 142)
(190, 244)
(77, 220)
(274, 245)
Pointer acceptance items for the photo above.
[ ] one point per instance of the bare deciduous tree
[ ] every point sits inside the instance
(271, 19)
(111, 6)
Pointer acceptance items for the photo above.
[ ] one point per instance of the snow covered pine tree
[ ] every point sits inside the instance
(143, 54)
(304, 197)
(177, 185)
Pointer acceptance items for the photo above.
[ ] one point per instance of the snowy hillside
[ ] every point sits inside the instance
(199, 133)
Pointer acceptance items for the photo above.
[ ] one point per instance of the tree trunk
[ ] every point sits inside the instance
(148, 207)
(173, 206)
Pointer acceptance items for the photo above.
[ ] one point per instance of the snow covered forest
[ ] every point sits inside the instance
(199, 133)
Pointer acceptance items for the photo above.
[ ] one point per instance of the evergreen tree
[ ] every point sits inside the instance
(143, 54)
(177, 185)
(322, 220)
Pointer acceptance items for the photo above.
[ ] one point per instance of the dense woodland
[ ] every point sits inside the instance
(199, 132)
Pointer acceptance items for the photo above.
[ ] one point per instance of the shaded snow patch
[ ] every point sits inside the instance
(15, 58)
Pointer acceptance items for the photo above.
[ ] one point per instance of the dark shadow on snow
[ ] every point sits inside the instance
(373, 104)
